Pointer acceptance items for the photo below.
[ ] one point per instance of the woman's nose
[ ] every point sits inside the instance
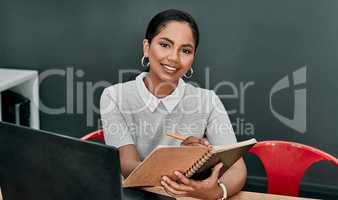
(173, 56)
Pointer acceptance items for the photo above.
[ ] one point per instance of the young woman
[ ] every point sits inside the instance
(136, 115)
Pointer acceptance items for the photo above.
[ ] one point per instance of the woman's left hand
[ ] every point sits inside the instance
(207, 189)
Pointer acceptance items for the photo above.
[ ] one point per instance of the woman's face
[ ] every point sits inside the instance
(171, 52)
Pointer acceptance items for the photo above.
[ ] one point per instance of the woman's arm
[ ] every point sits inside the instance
(129, 159)
(234, 178)
(116, 132)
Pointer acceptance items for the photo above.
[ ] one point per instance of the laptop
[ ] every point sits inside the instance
(39, 165)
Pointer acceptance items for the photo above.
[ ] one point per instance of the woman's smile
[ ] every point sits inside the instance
(169, 69)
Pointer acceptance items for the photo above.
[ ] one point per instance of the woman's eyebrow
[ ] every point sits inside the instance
(172, 42)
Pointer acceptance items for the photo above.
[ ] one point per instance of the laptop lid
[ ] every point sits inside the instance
(39, 165)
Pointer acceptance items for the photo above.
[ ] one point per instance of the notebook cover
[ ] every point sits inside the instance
(164, 161)
(227, 157)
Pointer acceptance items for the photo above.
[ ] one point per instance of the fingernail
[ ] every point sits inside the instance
(177, 173)
(162, 183)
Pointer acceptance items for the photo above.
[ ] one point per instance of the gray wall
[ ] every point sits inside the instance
(254, 43)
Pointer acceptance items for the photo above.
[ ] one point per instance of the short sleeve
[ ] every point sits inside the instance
(114, 125)
(219, 129)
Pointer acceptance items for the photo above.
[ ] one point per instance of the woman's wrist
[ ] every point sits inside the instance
(219, 193)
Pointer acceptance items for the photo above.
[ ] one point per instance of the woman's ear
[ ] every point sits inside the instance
(146, 48)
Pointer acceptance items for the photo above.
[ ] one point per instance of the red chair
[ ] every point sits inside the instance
(96, 135)
(286, 162)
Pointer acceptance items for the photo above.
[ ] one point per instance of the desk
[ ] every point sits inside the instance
(240, 196)
(243, 195)
(24, 82)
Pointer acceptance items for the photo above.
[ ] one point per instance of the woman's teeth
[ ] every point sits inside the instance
(169, 68)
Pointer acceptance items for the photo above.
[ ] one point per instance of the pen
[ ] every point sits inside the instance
(183, 137)
(177, 136)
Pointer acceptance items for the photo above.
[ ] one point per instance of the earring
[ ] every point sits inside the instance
(142, 62)
(190, 74)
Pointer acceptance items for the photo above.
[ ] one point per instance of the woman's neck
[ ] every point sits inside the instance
(158, 87)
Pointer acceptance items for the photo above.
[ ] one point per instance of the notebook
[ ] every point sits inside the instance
(194, 161)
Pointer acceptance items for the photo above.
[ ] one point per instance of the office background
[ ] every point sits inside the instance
(246, 48)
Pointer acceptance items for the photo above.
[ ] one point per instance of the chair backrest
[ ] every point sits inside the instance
(286, 162)
(96, 135)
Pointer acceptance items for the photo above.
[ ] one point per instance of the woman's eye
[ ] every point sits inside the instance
(186, 51)
(164, 45)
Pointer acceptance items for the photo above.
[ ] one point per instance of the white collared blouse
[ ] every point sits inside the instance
(131, 114)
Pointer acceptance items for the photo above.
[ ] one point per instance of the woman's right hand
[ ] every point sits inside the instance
(195, 141)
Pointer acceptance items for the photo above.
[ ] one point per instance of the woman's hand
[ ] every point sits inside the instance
(207, 189)
(195, 141)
